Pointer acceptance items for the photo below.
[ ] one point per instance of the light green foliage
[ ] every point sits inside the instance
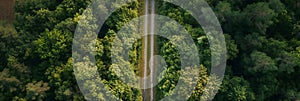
(36, 90)
(53, 44)
(262, 41)
(231, 46)
(62, 79)
(9, 85)
(9, 40)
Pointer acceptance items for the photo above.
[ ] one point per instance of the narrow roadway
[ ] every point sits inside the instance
(151, 64)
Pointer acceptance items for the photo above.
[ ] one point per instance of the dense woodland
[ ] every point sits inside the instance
(262, 41)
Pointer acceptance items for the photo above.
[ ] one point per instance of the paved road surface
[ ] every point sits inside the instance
(151, 66)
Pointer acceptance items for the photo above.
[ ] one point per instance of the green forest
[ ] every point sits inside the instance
(262, 43)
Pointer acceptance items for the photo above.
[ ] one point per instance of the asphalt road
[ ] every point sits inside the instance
(151, 62)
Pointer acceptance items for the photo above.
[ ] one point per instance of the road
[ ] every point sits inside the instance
(152, 49)
(151, 66)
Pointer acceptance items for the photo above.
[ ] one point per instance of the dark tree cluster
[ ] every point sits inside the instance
(262, 41)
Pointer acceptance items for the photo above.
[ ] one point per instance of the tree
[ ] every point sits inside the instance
(235, 89)
(36, 90)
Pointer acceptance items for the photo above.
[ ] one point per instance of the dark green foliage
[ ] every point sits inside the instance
(262, 40)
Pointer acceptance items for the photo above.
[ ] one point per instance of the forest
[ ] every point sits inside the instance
(37, 61)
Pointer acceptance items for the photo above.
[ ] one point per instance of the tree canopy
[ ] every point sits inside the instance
(262, 41)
